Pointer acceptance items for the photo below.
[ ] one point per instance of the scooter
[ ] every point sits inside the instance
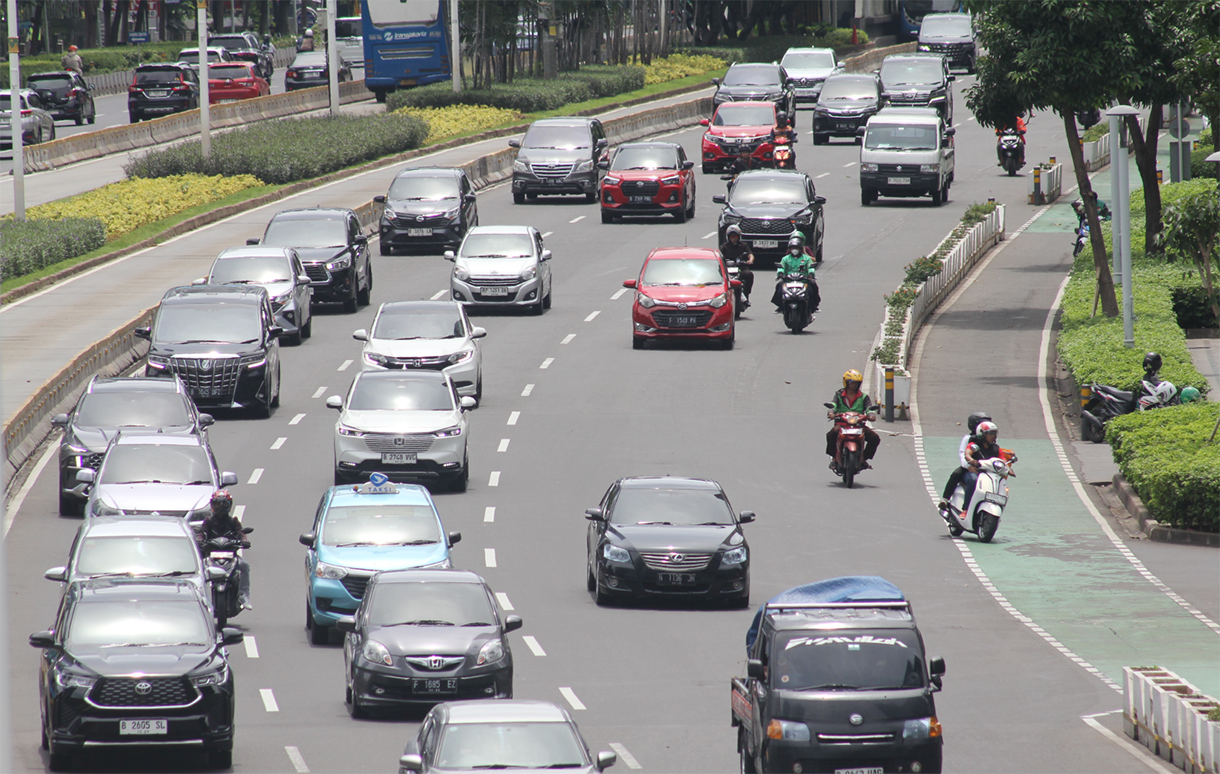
(987, 505)
(1012, 152)
(849, 444)
(784, 153)
(1108, 402)
(221, 556)
(1082, 238)
(798, 314)
(734, 269)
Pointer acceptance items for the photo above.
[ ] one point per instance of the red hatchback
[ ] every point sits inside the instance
(683, 293)
(232, 81)
(737, 128)
(648, 178)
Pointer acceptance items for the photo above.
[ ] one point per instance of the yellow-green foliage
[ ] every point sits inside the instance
(127, 205)
(676, 66)
(458, 119)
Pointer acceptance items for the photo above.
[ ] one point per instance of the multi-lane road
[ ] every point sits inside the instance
(568, 407)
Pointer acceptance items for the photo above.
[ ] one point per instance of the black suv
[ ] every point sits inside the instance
(917, 80)
(333, 249)
(844, 105)
(768, 205)
(222, 342)
(107, 405)
(64, 95)
(246, 47)
(428, 206)
(162, 89)
(950, 35)
(133, 663)
(756, 83)
(559, 156)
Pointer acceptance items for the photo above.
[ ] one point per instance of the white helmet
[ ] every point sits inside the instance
(987, 427)
(1160, 395)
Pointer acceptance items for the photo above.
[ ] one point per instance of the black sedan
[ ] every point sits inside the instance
(427, 207)
(333, 250)
(667, 537)
(768, 205)
(310, 69)
(426, 636)
(64, 95)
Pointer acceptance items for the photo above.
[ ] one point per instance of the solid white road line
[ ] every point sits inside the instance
(494, 480)
(268, 700)
(592, 316)
(318, 393)
(969, 118)
(503, 447)
(346, 363)
(547, 363)
(279, 442)
(239, 511)
(489, 557)
(489, 514)
(625, 756)
(1137, 752)
(618, 294)
(502, 598)
(526, 392)
(52, 451)
(251, 646)
(546, 234)
(568, 339)
(571, 697)
(255, 476)
(438, 295)
(819, 177)
(534, 646)
(297, 419)
(708, 236)
(577, 219)
(512, 418)
(298, 762)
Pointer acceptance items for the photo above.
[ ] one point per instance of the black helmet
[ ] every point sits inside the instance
(1152, 362)
(974, 419)
(222, 502)
(798, 244)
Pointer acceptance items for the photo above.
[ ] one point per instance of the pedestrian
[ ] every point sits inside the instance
(72, 61)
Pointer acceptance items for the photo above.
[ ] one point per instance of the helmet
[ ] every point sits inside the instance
(731, 230)
(309, 33)
(852, 375)
(973, 420)
(1160, 395)
(1189, 395)
(71, 48)
(222, 502)
(781, 118)
(1152, 362)
(798, 235)
(796, 244)
(986, 428)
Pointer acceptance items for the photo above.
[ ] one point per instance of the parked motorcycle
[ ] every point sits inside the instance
(987, 505)
(1108, 402)
(221, 554)
(849, 444)
(1012, 152)
(784, 153)
(798, 314)
(1087, 118)
(1082, 238)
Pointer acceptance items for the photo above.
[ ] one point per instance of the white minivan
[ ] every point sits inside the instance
(906, 152)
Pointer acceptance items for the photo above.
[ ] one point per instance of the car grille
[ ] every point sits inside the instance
(214, 377)
(426, 363)
(356, 584)
(856, 738)
(92, 460)
(768, 226)
(435, 663)
(317, 273)
(640, 187)
(490, 282)
(949, 48)
(552, 171)
(904, 99)
(382, 442)
(676, 562)
(125, 692)
(429, 221)
(667, 318)
(905, 169)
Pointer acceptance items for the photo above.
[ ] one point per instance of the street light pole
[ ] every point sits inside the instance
(205, 100)
(332, 57)
(455, 48)
(14, 81)
(1119, 165)
(1116, 233)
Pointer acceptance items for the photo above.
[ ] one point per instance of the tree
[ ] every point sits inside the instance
(1192, 226)
(1197, 73)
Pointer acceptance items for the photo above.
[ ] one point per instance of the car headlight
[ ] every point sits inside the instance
(219, 677)
(728, 216)
(584, 166)
(388, 213)
(921, 728)
(461, 273)
(449, 432)
(608, 180)
(329, 571)
(199, 514)
(734, 556)
(866, 166)
(644, 301)
(444, 564)
(68, 680)
(102, 509)
(277, 302)
(924, 47)
(375, 359)
(671, 180)
(520, 166)
(719, 300)
(929, 169)
(490, 653)
(374, 652)
(788, 729)
(77, 449)
(342, 262)
(529, 273)
(616, 554)
(254, 361)
(451, 214)
(350, 431)
(461, 357)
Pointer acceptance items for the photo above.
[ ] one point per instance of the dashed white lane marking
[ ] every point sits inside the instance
(251, 646)
(1136, 751)
(819, 177)
(298, 762)
(503, 447)
(568, 339)
(546, 234)
(512, 418)
(489, 557)
(318, 393)
(489, 514)
(534, 646)
(239, 511)
(625, 756)
(268, 700)
(494, 480)
(526, 392)
(577, 219)
(849, 164)
(959, 123)
(502, 598)
(297, 419)
(255, 476)
(547, 363)
(969, 118)
(343, 367)
(571, 697)
(708, 236)
(592, 315)
(618, 294)
(278, 443)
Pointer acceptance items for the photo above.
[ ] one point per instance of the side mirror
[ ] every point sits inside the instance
(514, 143)
(936, 665)
(512, 623)
(952, 78)
(231, 636)
(346, 623)
(594, 514)
(860, 131)
(716, 81)
(819, 200)
(85, 476)
(228, 478)
(603, 143)
(361, 239)
(603, 164)
(735, 283)
(629, 284)
(606, 759)
(215, 573)
(950, 131)
(478, 333)
(143, 332)
(247, 530)
(449, 256)
(745, 517)
(56, 574)
(468, 198)
(304, 279)
(754, 669)
(720, 199)
(274, 332)
(379, 199)
(42, 639)
(688, 164)
(468, 402)
(306, 540)
(206, 420)
(546, 255)
(829, 406)
(334, 402)
(454, 538)
(199, 281)
(253, 241)
(360, 334)
(59, 420)
(704, 122)
(411, 763)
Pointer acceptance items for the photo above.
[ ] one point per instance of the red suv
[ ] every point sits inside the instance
(683, 292)
(737, 128)
(648, 178)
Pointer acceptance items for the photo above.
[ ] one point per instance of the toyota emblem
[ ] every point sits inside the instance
(205, 365)
(419, 218)
(143, 687)
(436, 662)
(681, 306)
(676, 558)
(856, 719)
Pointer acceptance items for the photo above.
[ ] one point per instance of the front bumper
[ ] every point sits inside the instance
(465, 374)
(408, 232)
(639, 580)
(807, 95)
(815, 756)
(329, 600)
(717, 154)
(330, 286)
(76, 724)
(306, 83)
(919, 183)
(289, 317)
(395, 687)
(574, 183)
(840, 125)
(668, 198)
(251, 387)
(695, 322)
(157, 107)
(520, 294)
(443, 458)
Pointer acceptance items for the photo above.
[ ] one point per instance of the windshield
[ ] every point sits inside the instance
(509, 746)
(132, 409)
(417, 189)
(146, 77)
(498, 246)
(439, 324)
(441, 604)
(945, 26)
(550, 136)
(302, 232)
(644, 158)
(752, 76)
(768, 191)
(890, 137)
(848, 659)
(911, 73)
(671, 506)
(809, 60)
(744, 115)
(205, 323)
(220, 72)
(380, 525)
(682, 271)
(133, 622)
(348, 28)
(231, 42)
(49, 82)
(849, 88)
(156, 464)
(251, 269)
(400, 395)
(137, 555)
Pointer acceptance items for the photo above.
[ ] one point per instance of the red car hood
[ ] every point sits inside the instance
(738, 131)
(643, 174)
(679, 294)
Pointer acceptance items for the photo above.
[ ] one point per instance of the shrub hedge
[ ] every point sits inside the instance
(457, 119)
(608, 80)
(285, 151)
(525, 95)
(32, 245)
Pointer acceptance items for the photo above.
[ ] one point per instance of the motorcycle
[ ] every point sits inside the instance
(784, 153)
(987, 505)
(1087, 118)
(795, 296)
(849, 444)
(734, 269)
(221, 556)
(1108, 402)
(1012, 152)
(1082, 238)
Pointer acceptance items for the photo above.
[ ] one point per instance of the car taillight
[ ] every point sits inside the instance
(27, 112)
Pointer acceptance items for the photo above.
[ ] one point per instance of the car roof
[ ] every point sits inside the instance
(255, 251)
(229, 294)
(747, 103)
(162, 66)
(310, 56)
(947, 14)
(429, 576)
(314, 213)
(906, 57)
(651, 144)
(669, 482)
(137, 526)
(408, 494)
(924, 112)
(563, 121)
(138, 589)
(851, 77)
(500, 230)
(429, 172)
(689, 253)
(153, 437)
(770, 173)
(809, 50)
(409, 307)
(504, 711)
(50, 74)
(747, 65)
(132, 384)
(401, 376)
(904, 118)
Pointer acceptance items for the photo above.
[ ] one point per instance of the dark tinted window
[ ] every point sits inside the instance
(139, 622)
(509, 746)
(156, 464)
(132, 409)
(230, 42)
(671, 506)
(348, 28)
(847, 659)
(768, 191)
(424, 188)
(229, 71)
(380, 525)
(552, 136)
(889, 136)
(137, 555)
(419, 324)
(682, 271)
(205, 323)
(752, 76)
(437, 604)
(744, 115)
(911, 72)
(299, 232)
(156, 77)
(49, 82)
(645, 158)
(400, 395)
(251, 270)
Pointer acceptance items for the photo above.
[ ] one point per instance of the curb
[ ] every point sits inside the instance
(1153, 528)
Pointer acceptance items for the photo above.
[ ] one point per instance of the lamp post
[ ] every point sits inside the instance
(205, 71)
(14, 80)
(1122, 216)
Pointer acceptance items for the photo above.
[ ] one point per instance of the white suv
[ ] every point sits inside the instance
(427, 335)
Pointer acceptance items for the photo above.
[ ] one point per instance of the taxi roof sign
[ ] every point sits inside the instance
(378, 483)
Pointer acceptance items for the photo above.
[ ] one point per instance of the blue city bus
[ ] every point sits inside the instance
(405, 44)
(911, 13)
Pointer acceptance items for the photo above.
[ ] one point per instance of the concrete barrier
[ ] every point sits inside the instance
(871, 60)
(1169, 716)
(1045, 183)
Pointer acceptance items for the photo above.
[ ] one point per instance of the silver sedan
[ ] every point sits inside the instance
(37, 125)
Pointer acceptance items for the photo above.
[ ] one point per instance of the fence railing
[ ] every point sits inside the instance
(1045, 183)
(1169, 716)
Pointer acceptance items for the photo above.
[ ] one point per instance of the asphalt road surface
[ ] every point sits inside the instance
(568, 407)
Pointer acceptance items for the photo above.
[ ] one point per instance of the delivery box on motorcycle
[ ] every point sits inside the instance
(838, 679)
(905, 154)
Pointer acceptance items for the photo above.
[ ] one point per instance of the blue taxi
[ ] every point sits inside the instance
(359, 530)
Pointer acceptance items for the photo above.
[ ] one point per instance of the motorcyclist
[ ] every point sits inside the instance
(305, 42)
(1003, 130)
(851, 398)
(985, 446)
(796, 261)
(736, 249)
(1103, 212)
(72, 61)
(221, 523)
(784, 128)
(955, 478)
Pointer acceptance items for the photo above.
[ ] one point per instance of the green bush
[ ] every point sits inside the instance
(977, 213)
(1096, 131)
(285, 151)
(1190, 304)
(28, 246)
(525, 95)
(921, 268)
(1200, 167)
(608, 80)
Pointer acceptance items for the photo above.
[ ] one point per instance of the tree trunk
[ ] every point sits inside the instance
(1145, 160)
(1105, 282)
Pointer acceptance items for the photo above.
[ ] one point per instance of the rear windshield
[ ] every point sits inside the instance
(744, 115)
(49, 81)
(419, 324)
(228, 71)
(682, 271)
(137, 555)
(430, 604)
(156, 464)
(851, 88)
(847, 660)
(132, 409)
(139, 622)
(380, 525)
(892, 137)
(911, 72)
(157, 76)
(230, 42)
(752, 76)
(400, 395)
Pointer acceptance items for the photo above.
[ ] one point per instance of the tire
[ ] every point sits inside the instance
(546, 300)
(727, 344)
(462, 481)
(307, 328)
(866, 197)
(351, 305)
(339, 479)
(607, 217)
(380, 95)
(80, 119)
(707, 170)
(590, 198)
(133, 118)
(275, 399)
(264, 411)
(518, 198)
(383, 248)
(937, 200)
(308, 617)
(356, 709)
(987, 527)
(536, 308)
(478, 388)
(318, 634)
(590, 582)
(746, 763)
(600, 597)
(59, 760)
(637, 342)
(849, 471)
(944, 193)
(690, 212)
(52, 139)
(1010, 166)
(740, 603)
(817, 255)
(93, 116)
(820, 139)
(954, 530)
(69, 505)
(220, 759)
(296, 339)
(680, 215)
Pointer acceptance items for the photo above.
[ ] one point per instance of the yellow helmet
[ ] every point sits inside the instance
(852, 375)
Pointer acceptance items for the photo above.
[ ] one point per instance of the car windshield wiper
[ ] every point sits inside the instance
(150, 481)
(425, 622)
(830, 687)
(497, 255)
(711, 524)
(479, 623)
(663, 523)
(355, 543)
(200, 341)
(429, 198)
(152, 644)
(420, 542)
(407, 338)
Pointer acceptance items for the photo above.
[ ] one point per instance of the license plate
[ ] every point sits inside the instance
(551, 181)
(845, 125)
(640, 198)
(766, 244)
(676, 578)
(398, 458)
(493, 291)
(898, 181)
(443, 685)
(157, 93)
(862, 770)
(998, 499)
(140, 727)
(419, 232)
(209, 393)
(224, 101)
(683, 322)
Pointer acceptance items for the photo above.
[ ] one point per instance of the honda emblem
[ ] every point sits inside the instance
(436, 662)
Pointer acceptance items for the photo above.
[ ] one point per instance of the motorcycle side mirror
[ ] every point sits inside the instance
(247, 530)
(215, 573)
(745, 517)
(231, 636)
(827, 405)
(719, 199)
(754, 668)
